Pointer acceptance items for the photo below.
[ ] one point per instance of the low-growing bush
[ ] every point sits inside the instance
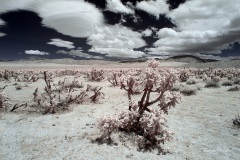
(236, 80)
(211, 84)
(191, 81)
(235, 88)
(188, 91)
(227, 83)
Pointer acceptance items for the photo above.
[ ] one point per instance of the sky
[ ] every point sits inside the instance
(119, 29)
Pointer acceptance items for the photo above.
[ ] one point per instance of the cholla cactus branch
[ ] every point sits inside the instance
(16, 106)
(1, 89)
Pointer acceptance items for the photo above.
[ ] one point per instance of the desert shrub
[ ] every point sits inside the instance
(176, 87)
(235, 88)
(211, 84)
(236, 80)
(191, 81)
(236, 121)
(148, 123)
(188, 91)
(215, 79)
(227, 83)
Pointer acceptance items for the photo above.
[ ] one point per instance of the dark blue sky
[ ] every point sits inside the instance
(32, 32)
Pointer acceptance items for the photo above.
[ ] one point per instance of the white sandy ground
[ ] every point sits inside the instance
(202, 127)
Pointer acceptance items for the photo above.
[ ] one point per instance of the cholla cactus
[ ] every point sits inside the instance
(148, 123)
(53, 100)
(4, 101)
(96, 75)
(184, 76)
(152, 63)
(114, 78)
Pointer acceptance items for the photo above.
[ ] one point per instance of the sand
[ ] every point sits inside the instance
(201, 123)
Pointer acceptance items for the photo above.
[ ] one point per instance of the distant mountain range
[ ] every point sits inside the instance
(178, 58)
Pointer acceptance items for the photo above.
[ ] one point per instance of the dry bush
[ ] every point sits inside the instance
(188, 91)
(227, 83)
(148, 123)
(215, 79)
(235, 88)
(211, 84)
(236, 80)
(191, 81)
(176, 87)
(236, 121)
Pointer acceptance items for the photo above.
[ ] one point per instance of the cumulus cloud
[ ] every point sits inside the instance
(206, 26)
(61, 43)
(69, 17)
(147, 33)
(110, 39)
(118, 52)
(35, 52)
(154, 7)
(78, 53)
(117, 7)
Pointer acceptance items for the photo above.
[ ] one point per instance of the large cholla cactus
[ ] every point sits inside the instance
(148, 123)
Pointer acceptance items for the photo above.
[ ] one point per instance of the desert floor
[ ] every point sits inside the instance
(201, 123)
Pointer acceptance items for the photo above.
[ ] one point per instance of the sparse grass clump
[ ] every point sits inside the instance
(211, 84)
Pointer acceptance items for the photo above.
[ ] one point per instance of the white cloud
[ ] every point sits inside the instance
(35, 52)
(153, 7)
(2, 23)
(78, 53)
(206, 26)
(147, 33)
(117, 7)
(111, 39)
(118, 52)
(2, 34)
(205, 14)
(61, 43)
(69, 17)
